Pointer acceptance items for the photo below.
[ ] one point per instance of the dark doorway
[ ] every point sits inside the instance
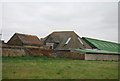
(50, 47)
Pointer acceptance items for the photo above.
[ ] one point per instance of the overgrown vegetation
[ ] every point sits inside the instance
(57, 68)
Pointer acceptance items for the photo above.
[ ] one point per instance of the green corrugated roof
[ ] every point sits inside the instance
(102, 45)
(96, 51)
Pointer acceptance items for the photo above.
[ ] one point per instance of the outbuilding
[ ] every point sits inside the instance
(95, 54)
(19, 39)
(101, 50)
(64, 40)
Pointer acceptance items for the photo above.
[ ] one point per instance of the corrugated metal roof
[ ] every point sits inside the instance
(96, 51)
(102, 45)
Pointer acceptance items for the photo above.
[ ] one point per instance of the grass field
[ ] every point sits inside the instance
(59, 68)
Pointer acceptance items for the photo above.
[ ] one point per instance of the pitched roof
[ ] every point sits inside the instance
(63, 37)
(59, 36)
(101, 44)
(28, 39)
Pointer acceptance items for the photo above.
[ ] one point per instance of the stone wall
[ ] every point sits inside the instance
(37, 52)
(101, 57)
(13, 51)
(25, 51)
(68, 54)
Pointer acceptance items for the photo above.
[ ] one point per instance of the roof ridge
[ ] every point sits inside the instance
(25, 34)
(101, 40)
(62, 31)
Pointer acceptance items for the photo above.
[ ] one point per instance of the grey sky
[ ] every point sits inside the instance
(88, 19)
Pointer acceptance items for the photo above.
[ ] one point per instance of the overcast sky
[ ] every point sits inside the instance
(97, 20)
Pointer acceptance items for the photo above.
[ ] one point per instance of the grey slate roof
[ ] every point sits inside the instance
(62, 36)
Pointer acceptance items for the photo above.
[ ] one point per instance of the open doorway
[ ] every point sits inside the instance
(51, 47)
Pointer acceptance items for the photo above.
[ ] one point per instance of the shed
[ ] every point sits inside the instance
(96, 54)
(102, 45)
(101, 50)
(24, 40)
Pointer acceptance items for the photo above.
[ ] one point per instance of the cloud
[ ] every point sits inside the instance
(97, 20)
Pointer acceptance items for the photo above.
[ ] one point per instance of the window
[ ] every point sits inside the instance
(68, 40)
(50, 45)
(80, 41)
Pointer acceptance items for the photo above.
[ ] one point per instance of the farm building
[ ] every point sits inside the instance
(66, 44)
(24, 40)
(102, 45)
(95, 54)
(101, 50)
(65, 40)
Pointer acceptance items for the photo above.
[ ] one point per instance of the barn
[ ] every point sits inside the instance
(101, 44)
(101, 50)
(19, 39)
(65, 40)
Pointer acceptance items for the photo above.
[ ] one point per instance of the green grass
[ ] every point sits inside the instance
(59, 68)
